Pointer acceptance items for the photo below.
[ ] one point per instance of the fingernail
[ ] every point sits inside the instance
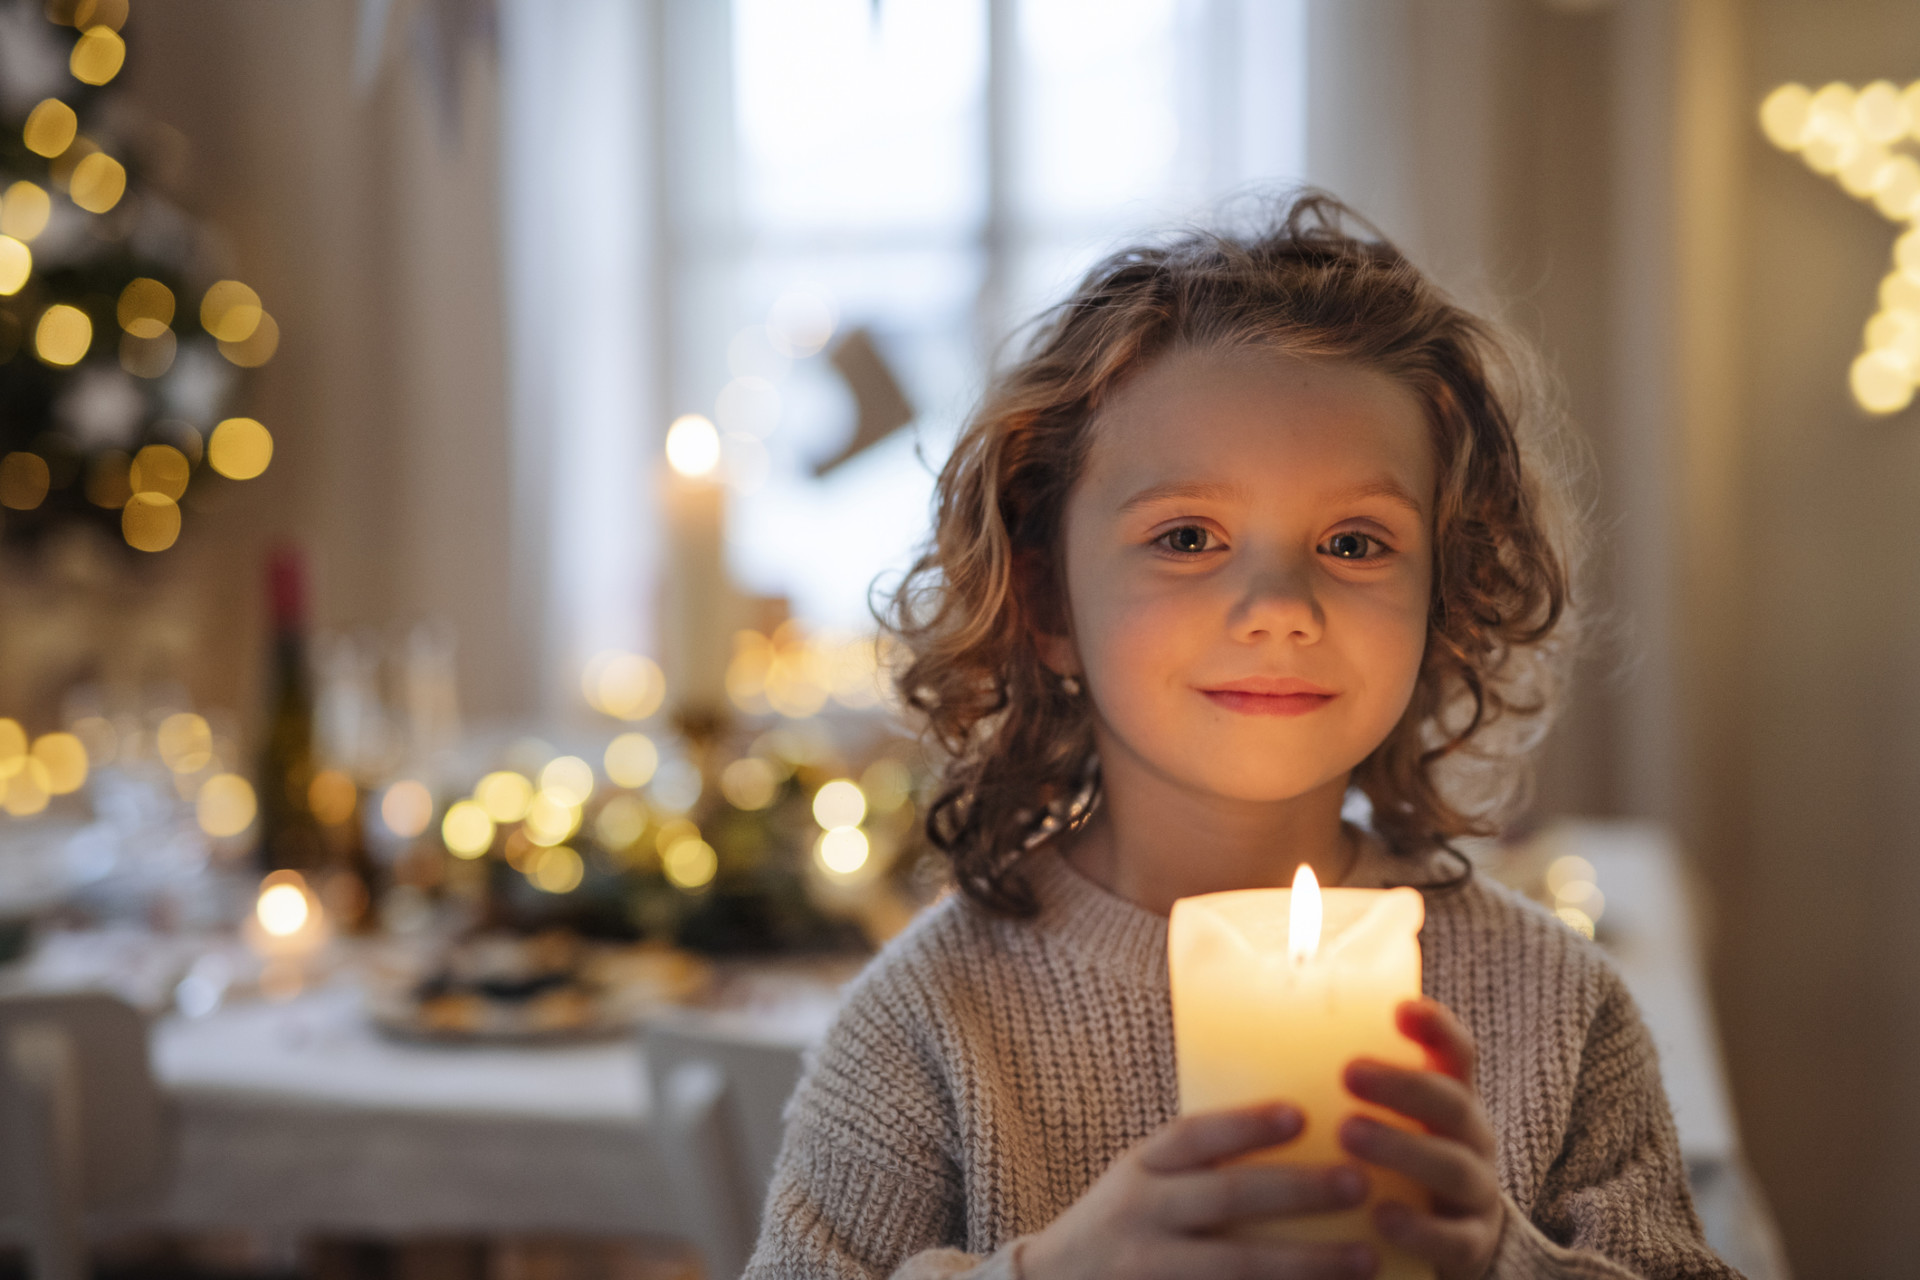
(1285, 1117)
(1349, 1183)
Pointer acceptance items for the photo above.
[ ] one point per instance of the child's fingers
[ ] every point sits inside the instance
(1453, 1172)
(1432, 1026)
(1452, 1244)
(1443, 1104)
(1197, 1141)
(1214, 1198)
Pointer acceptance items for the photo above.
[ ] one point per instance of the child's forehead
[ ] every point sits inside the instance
(1242, 416)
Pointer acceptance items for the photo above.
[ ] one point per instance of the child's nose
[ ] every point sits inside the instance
(1277, 601)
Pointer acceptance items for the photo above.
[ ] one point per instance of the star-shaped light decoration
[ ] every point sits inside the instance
(1851, 135)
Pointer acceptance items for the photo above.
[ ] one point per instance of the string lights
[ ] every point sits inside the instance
(1851, 136)
(115, 394)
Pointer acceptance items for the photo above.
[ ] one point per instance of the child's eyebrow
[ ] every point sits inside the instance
(1211, 491)
(1200, 490)
(1387, 488)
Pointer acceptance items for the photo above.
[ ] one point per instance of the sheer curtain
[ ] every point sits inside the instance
(702, 196)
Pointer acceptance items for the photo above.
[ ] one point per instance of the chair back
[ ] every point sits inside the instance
(82, 1124)
(718, 1093)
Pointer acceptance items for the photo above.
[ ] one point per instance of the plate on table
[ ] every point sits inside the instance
(549, 988)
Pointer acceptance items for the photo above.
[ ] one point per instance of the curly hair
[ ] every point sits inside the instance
(1017, 748)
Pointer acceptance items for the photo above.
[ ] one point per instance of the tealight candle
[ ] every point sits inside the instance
(1270, 1007)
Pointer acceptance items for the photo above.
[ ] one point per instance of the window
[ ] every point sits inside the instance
(930, 172)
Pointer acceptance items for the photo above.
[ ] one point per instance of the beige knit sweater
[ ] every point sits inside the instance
(984, 1072)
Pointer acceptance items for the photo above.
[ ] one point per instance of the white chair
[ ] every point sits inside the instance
(82, 1125)
(718, 1091)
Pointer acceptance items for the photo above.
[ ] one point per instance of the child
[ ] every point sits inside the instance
(1250, 525)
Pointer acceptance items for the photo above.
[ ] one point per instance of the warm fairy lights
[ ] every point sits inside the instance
(1851, 135)
(1577, 899)
(156, 326)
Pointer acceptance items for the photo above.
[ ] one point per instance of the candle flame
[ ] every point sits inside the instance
(1303, 916)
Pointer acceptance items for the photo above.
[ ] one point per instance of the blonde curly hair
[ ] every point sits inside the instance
(1016, 747)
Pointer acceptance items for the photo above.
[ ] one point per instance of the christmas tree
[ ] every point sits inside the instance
(121, 343)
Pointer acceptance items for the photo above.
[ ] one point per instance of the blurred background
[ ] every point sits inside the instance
(447, 449)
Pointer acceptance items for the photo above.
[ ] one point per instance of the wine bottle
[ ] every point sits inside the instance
(289, 834)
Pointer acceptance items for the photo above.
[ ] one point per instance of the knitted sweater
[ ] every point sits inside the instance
(985, 1071)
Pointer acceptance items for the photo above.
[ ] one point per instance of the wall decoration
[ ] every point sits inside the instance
(1862, 139)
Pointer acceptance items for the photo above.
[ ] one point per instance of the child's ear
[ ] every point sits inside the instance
(1043, 611)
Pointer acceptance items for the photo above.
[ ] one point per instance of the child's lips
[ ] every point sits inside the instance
(1270, 697)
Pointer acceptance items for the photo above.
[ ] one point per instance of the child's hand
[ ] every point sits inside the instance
(1454, 1157)
(1153, 1212)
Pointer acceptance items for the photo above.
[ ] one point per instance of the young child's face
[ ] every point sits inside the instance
(1248, 558)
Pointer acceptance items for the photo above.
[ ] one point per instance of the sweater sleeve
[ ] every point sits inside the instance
(1615, 1204)
(866, 1178)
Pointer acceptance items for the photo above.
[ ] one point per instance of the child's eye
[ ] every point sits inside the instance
(1188, 539)
(1351, 545)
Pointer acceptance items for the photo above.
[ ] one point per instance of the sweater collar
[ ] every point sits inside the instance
(1113, 933)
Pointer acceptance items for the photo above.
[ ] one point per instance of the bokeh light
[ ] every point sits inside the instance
(332, 797)
(550, 819)
(97, 55)
(50, 128)
(184, 742)
(1565, 870)
(161, 469)
(64, 757)
(749, 783)
(63, 335)
(230, 311)
(225, 805)
(407, 807)
(24, 210)
(467, 829)
(631, 760)
(839, 803)
(146, 307)
(257, 347)
(627, 686)
(843, 850)
(504, 795)
(621, 822)
(568, 779)
(27, 792)
(239, 448)
(557, 870)
(693, 446)
(150, 522)
(16, 265)
(97, 183)
(282, 908)
(690, 864)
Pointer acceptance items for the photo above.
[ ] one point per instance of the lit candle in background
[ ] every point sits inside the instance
(287, 928)
(1269, 1005)
(700, 616)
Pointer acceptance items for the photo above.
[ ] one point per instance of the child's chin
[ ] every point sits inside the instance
(1268, 782)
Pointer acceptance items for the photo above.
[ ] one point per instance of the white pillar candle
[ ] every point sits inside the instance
(1275, 991)
(700, 614)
